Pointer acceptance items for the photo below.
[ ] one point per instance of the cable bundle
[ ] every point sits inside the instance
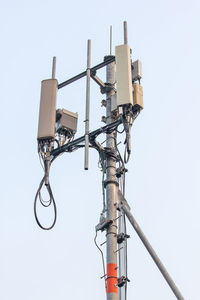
(45, 203)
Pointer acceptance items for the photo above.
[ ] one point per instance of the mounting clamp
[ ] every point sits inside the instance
(121, 237)
(110, 181)
(107, 88)
(104, 225)
(120, 171)
(122, 281)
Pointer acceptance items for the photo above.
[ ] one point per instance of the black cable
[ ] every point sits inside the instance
(43, 202)
(126, 154)
(127, 121)
(57, 142)
(120, 131)
(122, 182)
(102, 256)
(50, 201)
(116, 146)
(127, 151)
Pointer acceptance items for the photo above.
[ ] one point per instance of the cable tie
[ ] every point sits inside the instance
(111, 233)
(106, 182)
(111, 277)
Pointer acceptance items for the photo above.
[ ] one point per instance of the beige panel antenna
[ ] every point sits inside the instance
(137, 95)
(124, 75)
(47, 116)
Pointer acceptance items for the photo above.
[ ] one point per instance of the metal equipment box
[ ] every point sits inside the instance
(136, 70)
(137, 96)
(66, 122)
(124, 75)
(47, 115)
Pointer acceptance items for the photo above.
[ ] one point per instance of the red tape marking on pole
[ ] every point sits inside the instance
(112, 278)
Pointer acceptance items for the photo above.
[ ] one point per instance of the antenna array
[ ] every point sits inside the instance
(56, 135)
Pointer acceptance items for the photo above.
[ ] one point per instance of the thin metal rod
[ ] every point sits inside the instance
(111, 40)
(87, 110)
(125, 33)
(83, 74)
(54, 68)
(151, 251)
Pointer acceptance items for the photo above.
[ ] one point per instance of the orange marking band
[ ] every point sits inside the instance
(112, 278)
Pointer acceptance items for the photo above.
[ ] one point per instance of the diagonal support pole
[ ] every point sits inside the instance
(98, 80)
(125, 207)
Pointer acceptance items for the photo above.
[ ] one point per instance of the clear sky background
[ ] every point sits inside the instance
(164, 170)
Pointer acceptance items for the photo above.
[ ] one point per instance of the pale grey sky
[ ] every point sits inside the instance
(164, 170)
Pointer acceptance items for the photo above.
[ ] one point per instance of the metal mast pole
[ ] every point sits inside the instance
(111, 192)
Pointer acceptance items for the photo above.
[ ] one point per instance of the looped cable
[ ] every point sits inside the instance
(50, 201)
(127, 153)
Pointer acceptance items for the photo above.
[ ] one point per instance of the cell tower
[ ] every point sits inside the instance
(56, 135)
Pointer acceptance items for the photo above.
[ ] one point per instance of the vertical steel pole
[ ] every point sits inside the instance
(87, 111)
(111, 193)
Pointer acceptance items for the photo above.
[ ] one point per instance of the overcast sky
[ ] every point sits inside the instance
(164, 170)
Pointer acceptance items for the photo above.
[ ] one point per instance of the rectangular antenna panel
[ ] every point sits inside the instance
(124, 75)
(136, 70)
(47, 116)
(137, 96)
